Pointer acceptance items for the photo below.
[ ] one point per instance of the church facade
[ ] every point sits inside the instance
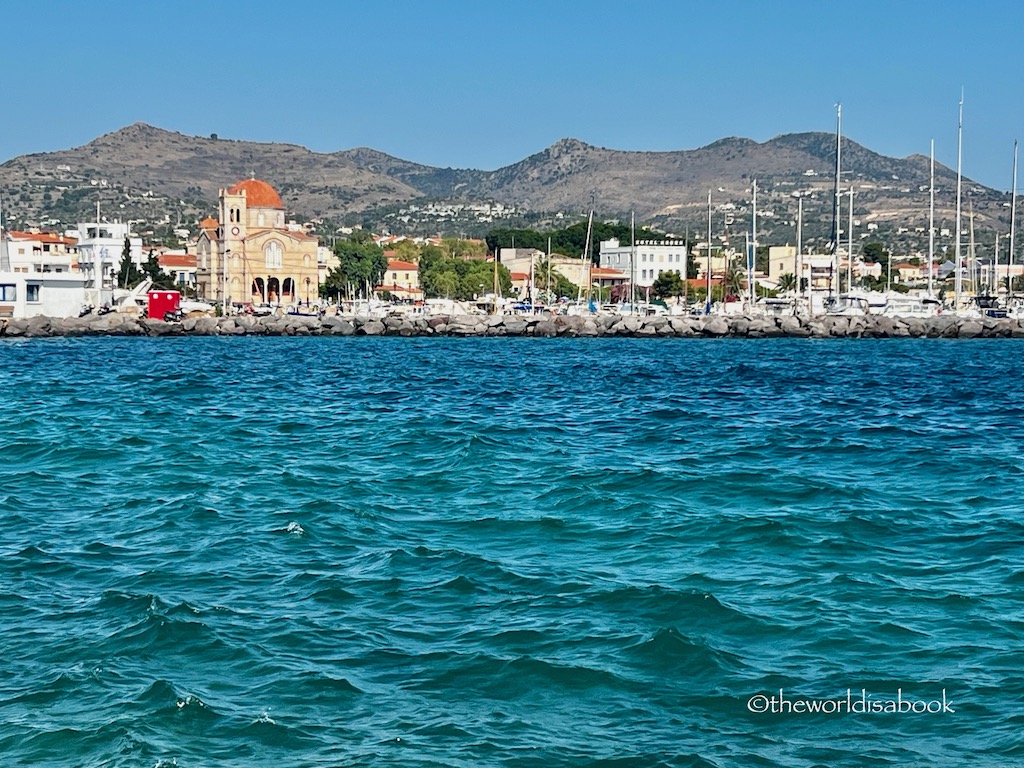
(251, 256)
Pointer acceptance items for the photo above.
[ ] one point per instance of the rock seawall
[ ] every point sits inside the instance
(543, 325)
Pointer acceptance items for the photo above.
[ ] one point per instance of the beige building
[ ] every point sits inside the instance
(251, 255)
(576, 271)
(402, 280)
(781, 261)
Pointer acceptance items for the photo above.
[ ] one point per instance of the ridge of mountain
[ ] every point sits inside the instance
(148, 172)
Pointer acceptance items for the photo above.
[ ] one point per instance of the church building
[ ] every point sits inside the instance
(251, 256)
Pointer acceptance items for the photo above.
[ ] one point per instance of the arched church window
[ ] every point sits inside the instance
(273, 255)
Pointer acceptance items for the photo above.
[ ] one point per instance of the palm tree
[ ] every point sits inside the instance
(787, 282)
(545, 277)
(735, 280)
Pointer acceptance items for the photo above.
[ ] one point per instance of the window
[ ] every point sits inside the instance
(8, 292)
(272, 255)
(32, 292)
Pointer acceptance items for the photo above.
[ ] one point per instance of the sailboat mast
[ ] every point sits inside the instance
(834, 239)
(1013, 226)
(971, 259)
(958, 283)
(931, 222)
(799, 251)
(752, 250)
(632, 263)
(5, 254)
(586, 254)
(992, 277)
(707, 303)
(849, 247)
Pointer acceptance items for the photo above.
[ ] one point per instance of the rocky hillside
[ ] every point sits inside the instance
(145, 173)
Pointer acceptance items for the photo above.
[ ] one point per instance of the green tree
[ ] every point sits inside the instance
(761, 259)
(462, 279)
(874, 251)
(667, 284)
(406, 250)
(128, 275)
(787, 282)
(443, 284)
(735, 280)
(161, 280)
(360, 262)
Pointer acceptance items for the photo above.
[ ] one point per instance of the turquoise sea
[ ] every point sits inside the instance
(518, 553)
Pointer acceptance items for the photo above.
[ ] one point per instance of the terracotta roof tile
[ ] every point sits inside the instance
(258, 194)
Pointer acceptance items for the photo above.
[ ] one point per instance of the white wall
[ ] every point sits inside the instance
(52, 295)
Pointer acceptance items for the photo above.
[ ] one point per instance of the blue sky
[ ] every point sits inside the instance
(485, 84)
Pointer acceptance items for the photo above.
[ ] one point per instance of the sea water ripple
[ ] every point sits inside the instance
(508, 552)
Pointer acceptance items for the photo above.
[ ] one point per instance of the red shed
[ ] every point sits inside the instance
(163, 302)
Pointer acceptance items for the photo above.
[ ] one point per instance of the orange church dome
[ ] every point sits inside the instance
(258, 194)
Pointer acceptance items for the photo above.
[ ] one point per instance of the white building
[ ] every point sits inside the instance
(31, 293)
(645, 263)
(42, 252)
(100, 245)
(27, 294)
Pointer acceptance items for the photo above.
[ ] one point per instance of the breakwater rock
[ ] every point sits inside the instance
(542, 325)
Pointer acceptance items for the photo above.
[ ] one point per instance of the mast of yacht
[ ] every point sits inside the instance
(548, 286)
(931, 223)
(992, 279)
(1013, 228)
(971, 258)
(5, 254)
(958, 283)
(834, 239)
(632, 263)
(707, 303)
(589, 262)
(752, 251)
(799, 253)
(849, 247)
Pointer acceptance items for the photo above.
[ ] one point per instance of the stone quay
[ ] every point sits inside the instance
(538, 326)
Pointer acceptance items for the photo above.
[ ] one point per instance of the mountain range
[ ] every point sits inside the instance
(145, 173)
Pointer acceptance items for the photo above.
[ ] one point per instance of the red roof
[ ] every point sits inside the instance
(605, 272)
(43, 237)
(176, 260)
(258, 194)
(519, 275)
(399, 266)
(209, 223)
